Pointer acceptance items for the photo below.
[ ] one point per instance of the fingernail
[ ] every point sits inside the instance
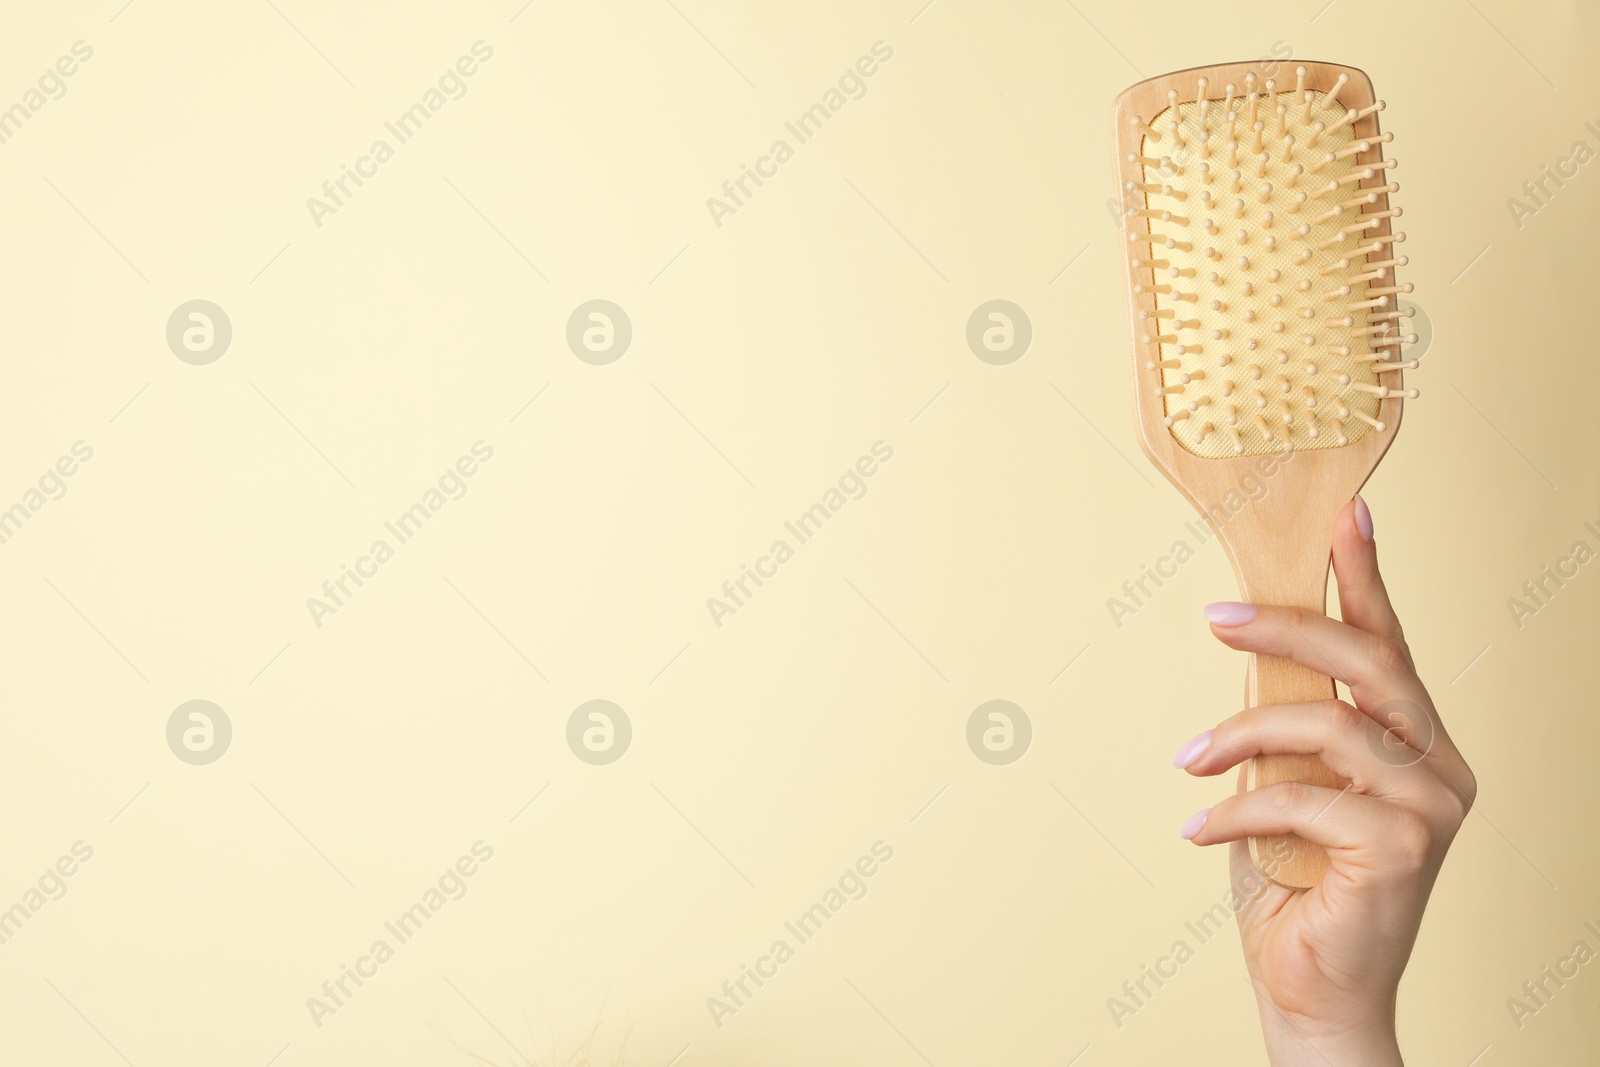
(1363, 519)
(1192, 750)
(1230, 613)
(1196, 823)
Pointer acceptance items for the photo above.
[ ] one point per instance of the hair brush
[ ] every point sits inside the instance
(1266, 343)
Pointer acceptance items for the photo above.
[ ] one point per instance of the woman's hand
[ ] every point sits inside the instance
(1326, 961)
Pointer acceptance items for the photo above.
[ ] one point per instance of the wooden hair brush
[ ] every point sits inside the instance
(1266, 343)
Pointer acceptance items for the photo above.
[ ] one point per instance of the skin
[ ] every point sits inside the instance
(1326, 961)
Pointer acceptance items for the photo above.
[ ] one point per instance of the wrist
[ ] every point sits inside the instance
(1299, 1043)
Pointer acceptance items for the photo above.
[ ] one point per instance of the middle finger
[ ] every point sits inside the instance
(1350, 743)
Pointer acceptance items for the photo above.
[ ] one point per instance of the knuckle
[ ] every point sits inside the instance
(1294, 616)
(1390, 656)
(1287, 798)
(1340, 717)
(1370, 585)
(1452, 809)
(1248, 723)
(1411, 841)
(1467, 795)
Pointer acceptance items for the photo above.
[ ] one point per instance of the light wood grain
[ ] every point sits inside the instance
(1278, 545)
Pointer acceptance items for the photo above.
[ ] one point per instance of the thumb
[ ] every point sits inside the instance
(1363, 599)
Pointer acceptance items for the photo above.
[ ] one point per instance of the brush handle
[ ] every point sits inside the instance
(1289, 860)
(1301, 581)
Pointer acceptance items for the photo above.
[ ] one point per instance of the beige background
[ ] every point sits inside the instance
(768, 354)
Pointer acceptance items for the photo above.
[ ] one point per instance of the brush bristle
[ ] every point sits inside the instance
(1276, 323)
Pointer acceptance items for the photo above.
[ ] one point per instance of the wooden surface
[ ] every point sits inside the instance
(1278, 545)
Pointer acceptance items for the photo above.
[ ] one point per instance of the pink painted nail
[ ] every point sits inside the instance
(1230, 613)
(1192, 750)
(1363, 519)
(1196, 823)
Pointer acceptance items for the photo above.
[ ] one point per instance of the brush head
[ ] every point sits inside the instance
(1263, 264)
